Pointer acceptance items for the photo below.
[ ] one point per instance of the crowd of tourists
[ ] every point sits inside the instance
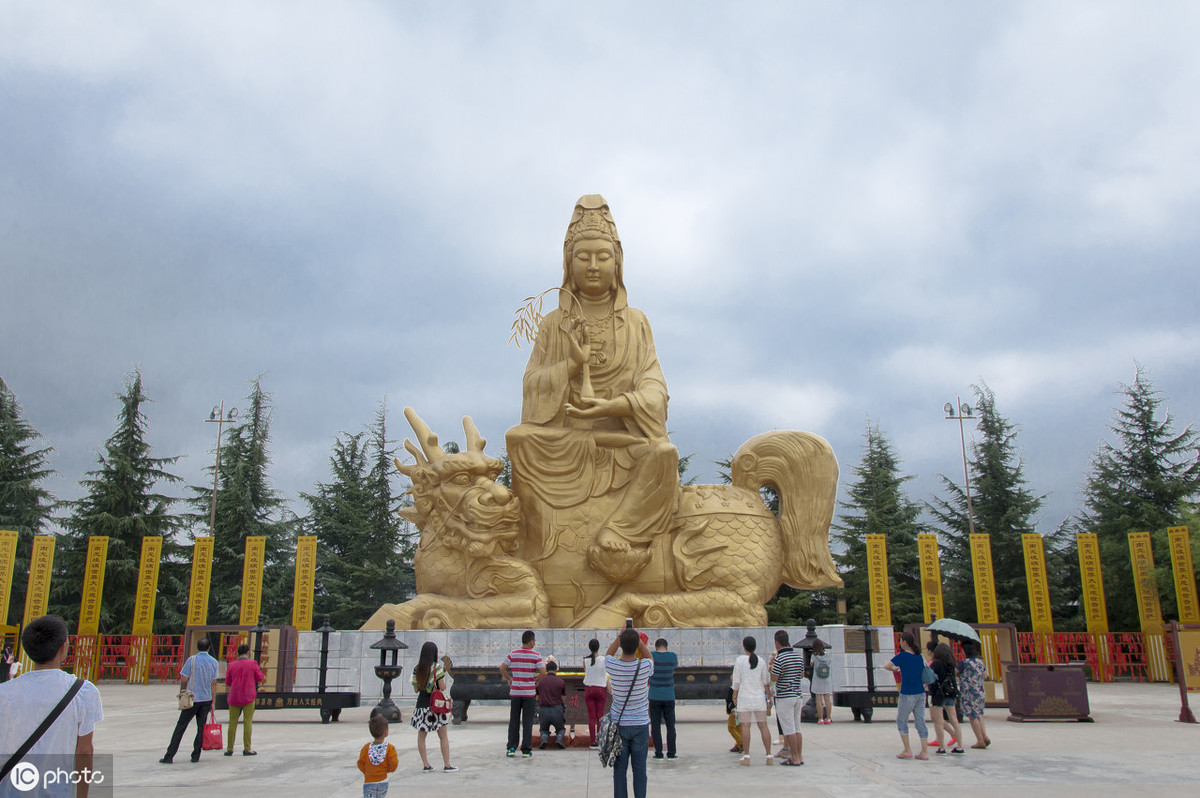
(635, 683)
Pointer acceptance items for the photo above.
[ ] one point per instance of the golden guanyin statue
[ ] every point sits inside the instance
(593, 432)
(596, 527)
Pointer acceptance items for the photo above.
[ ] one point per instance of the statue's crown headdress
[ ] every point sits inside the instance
(591, 216)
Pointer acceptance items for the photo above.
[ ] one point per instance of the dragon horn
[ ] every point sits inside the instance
(407, 471)
(475, 443)
(426, 437)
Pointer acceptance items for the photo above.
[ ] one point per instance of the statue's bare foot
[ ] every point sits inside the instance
(611, 541)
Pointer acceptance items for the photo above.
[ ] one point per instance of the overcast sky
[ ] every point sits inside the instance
(831, 213)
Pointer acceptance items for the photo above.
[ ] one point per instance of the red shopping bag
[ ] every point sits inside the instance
(211, 738)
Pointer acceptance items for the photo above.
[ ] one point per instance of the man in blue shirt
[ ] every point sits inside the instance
(662, 698)
(200, 671)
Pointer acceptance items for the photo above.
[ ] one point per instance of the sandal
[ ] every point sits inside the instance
(923, 757)
(905, 755)
(770, 759)
(745, 761)
(980, 745)
(790, 763)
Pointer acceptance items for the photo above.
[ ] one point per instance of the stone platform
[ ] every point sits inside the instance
(351, 659)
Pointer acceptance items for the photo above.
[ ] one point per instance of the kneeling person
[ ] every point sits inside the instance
(550, 692)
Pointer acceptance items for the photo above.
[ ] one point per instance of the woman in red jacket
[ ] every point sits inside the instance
(242, 678)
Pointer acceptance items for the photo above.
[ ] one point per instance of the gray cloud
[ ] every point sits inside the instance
(828, 214)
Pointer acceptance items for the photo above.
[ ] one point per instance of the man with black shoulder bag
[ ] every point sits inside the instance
(629, 685)
(48, 717)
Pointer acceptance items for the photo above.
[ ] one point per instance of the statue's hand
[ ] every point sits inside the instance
(579, 346)
(599, 408)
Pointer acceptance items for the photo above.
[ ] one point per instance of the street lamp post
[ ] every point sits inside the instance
(220, 418)
(964, 413)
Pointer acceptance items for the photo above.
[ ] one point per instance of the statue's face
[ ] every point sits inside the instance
(593, 264)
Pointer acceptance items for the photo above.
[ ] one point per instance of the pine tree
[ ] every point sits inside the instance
(878, 505)
(248, 506)
(1004, 509)
(121, 503)
(1145, 482)
(25, 506)
(364, 548)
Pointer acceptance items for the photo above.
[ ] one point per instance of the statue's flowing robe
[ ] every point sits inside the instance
(564, 461)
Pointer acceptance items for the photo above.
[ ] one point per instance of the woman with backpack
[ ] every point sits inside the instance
(943, 695)
(430, 675)
(822, 684)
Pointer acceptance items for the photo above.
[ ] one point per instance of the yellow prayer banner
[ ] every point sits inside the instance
(877, 580)
(93, 585)
(8, 561)
(147, 586)
(1093, 583)
(1188, 652)
(931, 577)
(1035, 581)
(985, 583)
(306, 573)
(202, 553)
(1185, 575)
(1145, 582)
(41, 564)
(252, 577)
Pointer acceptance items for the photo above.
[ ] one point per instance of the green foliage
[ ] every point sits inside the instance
(25, 506)
(364, 549)
(684, 463)
(1004, 509)
(505, 477)
(1146, 481)
(248, 506)
(877, 504)
(121, 503)
(791, 607)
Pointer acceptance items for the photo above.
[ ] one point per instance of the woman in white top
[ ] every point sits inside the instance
(751, 676)
(595, 689)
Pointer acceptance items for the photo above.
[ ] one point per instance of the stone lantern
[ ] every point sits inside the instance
(387, 671)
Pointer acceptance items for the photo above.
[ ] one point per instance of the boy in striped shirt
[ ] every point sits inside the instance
(521, 669)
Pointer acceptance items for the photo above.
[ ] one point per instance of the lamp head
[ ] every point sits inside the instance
(949, 408)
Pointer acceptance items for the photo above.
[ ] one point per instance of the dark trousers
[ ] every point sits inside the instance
(520, 719)
(199, 711)
(552, 716)
(662, 711)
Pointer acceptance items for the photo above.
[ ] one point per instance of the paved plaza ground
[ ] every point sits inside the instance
(1135, 746)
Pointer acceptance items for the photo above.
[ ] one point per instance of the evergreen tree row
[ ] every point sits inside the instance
(364, 548)
(1145, 480)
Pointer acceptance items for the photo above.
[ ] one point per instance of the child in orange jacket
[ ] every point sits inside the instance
(377, 759)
